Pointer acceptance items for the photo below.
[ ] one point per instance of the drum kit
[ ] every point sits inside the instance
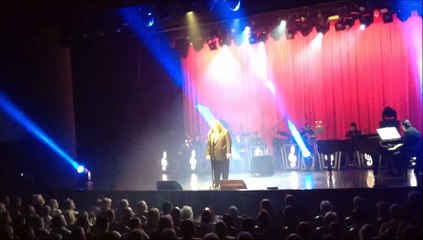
(286, 138)
(283, 138)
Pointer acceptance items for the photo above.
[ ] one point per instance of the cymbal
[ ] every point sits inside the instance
(283, 133)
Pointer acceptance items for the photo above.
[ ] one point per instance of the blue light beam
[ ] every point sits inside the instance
(209, 117)
(157, 43)
(298, 139)
(17, 115)
(206, 114)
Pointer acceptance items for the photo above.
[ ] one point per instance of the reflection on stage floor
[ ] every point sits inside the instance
(307, 180)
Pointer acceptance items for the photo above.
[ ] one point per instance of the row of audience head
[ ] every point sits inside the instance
(38, 219)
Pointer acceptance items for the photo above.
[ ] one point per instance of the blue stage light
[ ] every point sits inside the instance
(298, 139)
(17, 115)
(206, 114)
(209, 117)
(158, 43)
(150, 20)
(80, 169)
(233, 5)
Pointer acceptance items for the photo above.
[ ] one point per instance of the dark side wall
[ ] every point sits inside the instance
(35, 74)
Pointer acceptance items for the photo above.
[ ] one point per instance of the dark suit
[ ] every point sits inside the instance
(353, 134)
(411, 145)
(217, 150)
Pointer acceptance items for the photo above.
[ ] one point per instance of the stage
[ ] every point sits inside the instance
(309, 188)
(286, 180)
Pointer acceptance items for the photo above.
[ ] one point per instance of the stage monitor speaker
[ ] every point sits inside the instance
(232, 184)
(262, 165)
(168, 185)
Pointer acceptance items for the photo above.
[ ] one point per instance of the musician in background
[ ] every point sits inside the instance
(218, 152)
(411, 145)
(307, 131)
(353, 132)
(308, 136)
(199, 145)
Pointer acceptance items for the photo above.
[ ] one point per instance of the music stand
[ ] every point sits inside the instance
(388, 133)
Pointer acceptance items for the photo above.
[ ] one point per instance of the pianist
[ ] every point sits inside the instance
(353, 132)
(411, 146)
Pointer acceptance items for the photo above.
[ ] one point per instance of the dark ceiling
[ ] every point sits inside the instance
(79, 17)
(50, 12)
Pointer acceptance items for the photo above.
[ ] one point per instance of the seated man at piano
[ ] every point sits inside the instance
(410, 147)
(353, 132)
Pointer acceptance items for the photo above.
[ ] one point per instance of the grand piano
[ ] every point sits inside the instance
(368, 149)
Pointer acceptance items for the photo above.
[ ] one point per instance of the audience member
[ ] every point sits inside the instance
(236, 218)
(206, 224)
(166, 208)
(22, 221)
(188, 229)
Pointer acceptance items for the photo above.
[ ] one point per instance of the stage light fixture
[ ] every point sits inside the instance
(323, 28)
(333, 18)
(305, 25)
(262, 36)
(80, 169)
(291, 30)
(233, 5)
(279, 30)
(212, 43)
(258, 36)
(252, 39)
(291, 34)
(322, 24)
(146, 15)
(224, 40)
(386, 15)
(349, 22)
(306, 29)
(366, 19)
(20, 117)
(340, 25)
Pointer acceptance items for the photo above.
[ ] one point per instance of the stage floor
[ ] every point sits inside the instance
(288, 180)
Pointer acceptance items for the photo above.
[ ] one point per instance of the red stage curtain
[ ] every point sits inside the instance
(347, 76)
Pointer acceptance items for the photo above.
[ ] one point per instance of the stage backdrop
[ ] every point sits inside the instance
(338, 78)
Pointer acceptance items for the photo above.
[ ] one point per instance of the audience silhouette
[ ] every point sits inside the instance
(35, 218)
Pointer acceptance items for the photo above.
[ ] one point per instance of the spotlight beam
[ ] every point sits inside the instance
(17, 115)
(209, 117)
(165, 55)
(298, 139)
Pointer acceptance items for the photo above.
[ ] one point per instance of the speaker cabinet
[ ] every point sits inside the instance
(262, 165)
(232, 184)
(168, 185)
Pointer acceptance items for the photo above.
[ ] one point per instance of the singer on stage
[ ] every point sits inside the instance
(219, 152)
